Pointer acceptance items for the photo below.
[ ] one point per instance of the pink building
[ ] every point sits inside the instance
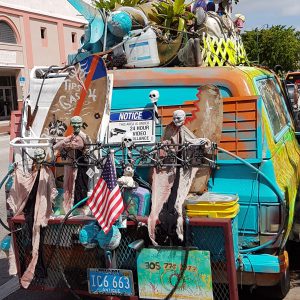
(33, 33)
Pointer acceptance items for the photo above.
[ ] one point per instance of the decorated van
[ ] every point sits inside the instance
(153, 183)
(236, 223)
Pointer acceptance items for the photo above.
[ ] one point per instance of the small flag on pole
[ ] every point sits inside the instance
(106, 201)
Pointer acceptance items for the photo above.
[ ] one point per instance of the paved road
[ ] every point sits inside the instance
(33, 295)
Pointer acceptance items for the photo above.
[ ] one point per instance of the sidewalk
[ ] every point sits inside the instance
(8, 284)
(4, 127)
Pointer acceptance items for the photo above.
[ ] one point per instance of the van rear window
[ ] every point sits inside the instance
(274, 104)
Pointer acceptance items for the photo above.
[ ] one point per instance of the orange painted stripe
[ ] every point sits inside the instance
(87, 83)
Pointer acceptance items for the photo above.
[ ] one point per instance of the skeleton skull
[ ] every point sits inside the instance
(179, 117)
(76, 123)
(127, 140)
(39, 155)
(153, 96)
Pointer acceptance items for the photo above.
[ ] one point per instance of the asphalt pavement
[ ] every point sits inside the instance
(8, 282)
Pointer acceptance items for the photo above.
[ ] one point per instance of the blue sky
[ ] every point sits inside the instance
(271, 12)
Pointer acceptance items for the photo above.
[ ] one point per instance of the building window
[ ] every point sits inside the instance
(44, 37)
(8, 96)
(7, 35)
(74, 37)
(43, 33)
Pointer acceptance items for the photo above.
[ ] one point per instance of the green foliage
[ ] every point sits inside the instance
(278, 45)
(111, 4)
(171, 15)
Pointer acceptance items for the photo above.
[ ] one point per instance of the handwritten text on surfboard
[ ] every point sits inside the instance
(73, 90)
(69, 101)
(138, 122)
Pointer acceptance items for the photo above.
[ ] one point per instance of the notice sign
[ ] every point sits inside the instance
(139, 122)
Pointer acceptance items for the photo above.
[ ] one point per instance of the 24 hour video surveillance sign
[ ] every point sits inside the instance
(139, 122)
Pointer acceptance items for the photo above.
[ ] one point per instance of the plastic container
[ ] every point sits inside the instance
(213, 205)
(137, 201)
(141, 51)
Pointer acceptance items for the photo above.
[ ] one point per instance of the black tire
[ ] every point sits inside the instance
(280, 290)
(276, 292)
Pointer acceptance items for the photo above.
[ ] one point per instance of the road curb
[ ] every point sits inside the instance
(9, 287)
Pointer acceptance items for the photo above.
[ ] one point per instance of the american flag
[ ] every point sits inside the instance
(106, 201)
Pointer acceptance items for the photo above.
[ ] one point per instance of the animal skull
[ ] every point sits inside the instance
(179, 117)
(153, 96)
(127, 140)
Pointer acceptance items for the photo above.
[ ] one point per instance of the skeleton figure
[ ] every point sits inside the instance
(127, 145)
(32, 194)
(185, 135)
(170, 185)
(75, 179)
(127, 179)
(154, 96)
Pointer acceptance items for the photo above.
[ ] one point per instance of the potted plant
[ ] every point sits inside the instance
(172, 19)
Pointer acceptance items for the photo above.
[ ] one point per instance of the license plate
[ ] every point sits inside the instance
(111, 282)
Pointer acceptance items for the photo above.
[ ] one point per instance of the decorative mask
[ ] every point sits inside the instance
(153, 96)
(127, 140)
(179, 117)
(39, 155)
(76, 123)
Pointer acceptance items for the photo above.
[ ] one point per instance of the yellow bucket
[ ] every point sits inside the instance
(213, 205)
